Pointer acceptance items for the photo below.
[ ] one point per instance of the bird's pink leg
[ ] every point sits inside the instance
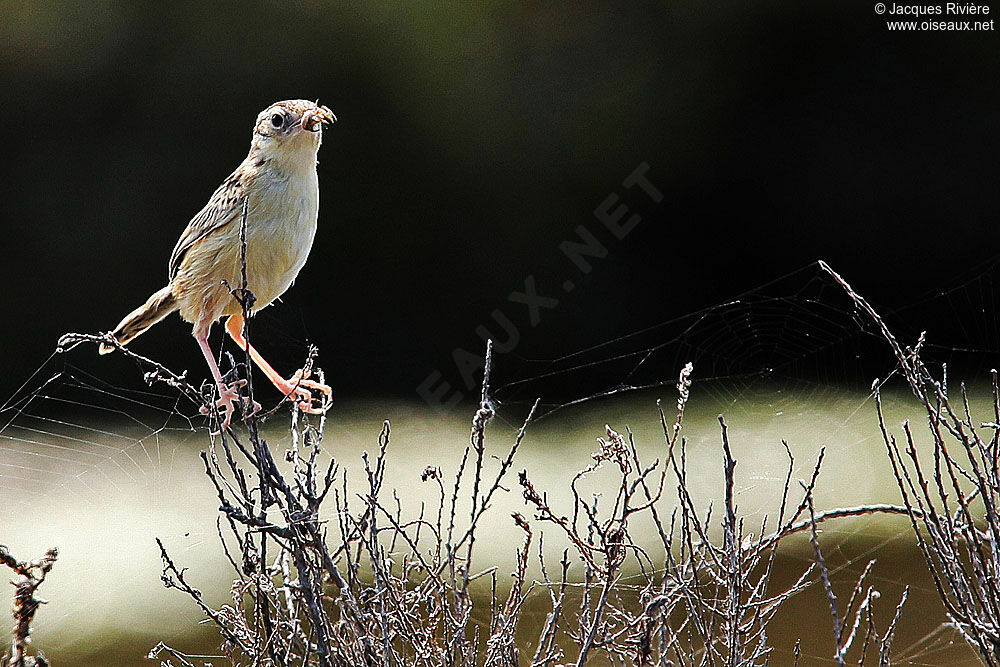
(226, 393)
(297, 388)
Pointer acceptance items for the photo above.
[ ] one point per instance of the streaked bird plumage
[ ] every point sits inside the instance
(279, 183)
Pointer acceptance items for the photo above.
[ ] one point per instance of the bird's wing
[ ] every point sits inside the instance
(222, 209)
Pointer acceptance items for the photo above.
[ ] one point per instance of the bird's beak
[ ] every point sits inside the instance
(314, 119)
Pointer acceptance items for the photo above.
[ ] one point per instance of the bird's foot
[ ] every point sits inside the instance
(227, 395)
(299, 389)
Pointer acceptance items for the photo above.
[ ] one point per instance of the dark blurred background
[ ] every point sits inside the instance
(473, 139)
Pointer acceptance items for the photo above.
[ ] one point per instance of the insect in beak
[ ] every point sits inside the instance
(314, 119)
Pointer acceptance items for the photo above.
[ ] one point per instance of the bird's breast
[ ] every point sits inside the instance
(280, 232)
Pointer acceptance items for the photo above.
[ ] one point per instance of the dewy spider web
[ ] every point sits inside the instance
(789, 359)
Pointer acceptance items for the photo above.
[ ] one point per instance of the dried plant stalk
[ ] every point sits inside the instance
(952, 499)
(31, 575)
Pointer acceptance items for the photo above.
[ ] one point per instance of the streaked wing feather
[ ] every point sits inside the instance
(222, 208)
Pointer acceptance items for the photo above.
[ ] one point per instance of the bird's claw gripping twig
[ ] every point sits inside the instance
(301, 393)
(227, 395)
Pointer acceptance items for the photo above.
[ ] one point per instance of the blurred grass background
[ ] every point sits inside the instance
(107, 605)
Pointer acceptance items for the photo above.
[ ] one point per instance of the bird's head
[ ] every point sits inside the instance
(286, 129)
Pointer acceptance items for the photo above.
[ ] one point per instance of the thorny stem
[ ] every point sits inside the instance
(733, 555)
(32, 574)
(478, 435)
(831, 596)
(158, 373)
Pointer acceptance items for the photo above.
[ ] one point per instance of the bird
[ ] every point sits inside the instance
(278, 187)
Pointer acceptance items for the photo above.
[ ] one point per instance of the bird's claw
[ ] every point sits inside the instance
(301, 393)
(227, 395)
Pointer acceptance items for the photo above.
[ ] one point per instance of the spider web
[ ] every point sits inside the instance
(794, 360)
(791, 359)
(69, 430)
(799, 331)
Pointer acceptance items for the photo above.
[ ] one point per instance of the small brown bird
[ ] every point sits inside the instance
(279, 183)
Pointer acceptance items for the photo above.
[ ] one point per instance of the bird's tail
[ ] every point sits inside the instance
(158, 306)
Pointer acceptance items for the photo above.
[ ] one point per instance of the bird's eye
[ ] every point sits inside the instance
(277, 120)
